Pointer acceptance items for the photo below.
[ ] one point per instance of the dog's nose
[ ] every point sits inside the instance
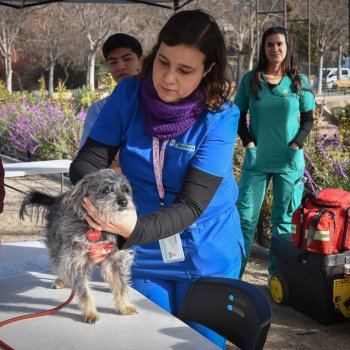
(122, 202)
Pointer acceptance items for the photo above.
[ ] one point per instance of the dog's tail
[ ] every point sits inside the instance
(36, 200)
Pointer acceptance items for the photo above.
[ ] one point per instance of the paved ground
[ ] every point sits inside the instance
(11, 228)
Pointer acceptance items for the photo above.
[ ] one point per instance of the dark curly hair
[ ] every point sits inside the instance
(198, 29)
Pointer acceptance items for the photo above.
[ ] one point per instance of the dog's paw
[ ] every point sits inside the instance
(59, 284)
(91, 317)
(128, 310)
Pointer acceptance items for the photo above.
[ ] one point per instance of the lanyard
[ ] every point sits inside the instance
(171, 247)
(158, 164)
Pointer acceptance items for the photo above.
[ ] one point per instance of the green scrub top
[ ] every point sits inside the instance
(274, 122)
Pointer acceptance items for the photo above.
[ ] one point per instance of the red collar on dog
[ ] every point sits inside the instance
(98, 251)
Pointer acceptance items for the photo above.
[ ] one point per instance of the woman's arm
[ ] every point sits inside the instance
(242, 101)
(93, 156)
(196, 193)
(243, 131)
(306, 107)
(306, 125)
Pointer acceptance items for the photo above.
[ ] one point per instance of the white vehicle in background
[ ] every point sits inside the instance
(330, 75)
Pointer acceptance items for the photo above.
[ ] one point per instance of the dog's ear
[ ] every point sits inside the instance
(73, 199)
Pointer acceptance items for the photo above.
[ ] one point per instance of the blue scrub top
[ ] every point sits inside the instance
(212, 244)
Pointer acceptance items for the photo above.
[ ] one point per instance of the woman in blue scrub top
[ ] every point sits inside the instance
(176, 132)
(280, 105)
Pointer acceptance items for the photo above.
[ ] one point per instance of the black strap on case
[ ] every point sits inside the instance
(346, 223)
(314, 223)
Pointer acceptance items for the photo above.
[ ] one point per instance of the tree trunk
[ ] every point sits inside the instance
(251, 59)
(66, 73)
(240, 59)
(87, 75)
(251, 53)
(51, 75)
(91, 69)
(320, 75)
(8, 71)
(340, 59)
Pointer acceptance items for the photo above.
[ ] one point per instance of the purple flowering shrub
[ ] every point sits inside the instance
(43, 128)
(327, 158)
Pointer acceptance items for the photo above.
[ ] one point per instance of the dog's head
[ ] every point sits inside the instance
(110, 193)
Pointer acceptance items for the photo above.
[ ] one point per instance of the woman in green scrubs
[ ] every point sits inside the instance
(280, 105)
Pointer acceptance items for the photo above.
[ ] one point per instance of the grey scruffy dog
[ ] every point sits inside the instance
(67, 240)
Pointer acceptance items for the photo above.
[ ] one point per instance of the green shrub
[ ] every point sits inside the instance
(84, 97)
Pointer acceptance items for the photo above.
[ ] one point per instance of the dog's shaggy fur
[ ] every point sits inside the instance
(66, 240)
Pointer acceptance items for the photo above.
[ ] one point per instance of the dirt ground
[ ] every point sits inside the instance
(289, 329)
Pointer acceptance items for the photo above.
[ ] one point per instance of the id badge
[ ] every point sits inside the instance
(171, 249)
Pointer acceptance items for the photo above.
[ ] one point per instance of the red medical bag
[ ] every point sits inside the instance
(321, 222)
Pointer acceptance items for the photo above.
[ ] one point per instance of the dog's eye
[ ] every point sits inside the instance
(106, 190)
(125, 189)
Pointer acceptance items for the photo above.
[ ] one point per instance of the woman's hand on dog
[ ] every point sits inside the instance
(124, 227)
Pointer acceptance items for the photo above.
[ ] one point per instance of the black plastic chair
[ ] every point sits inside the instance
(235, 309)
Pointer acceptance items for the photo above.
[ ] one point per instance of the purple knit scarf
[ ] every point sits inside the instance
(168, 120)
